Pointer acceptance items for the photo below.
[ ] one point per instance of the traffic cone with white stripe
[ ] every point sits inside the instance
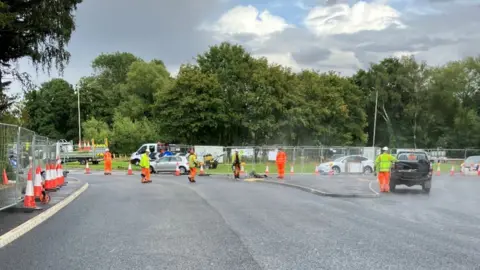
(438, 169)
(266, 170)
(50, 183)
(452, 171)
(129, 172)
(316, 170)
(177, 170)
(29, 199)
(37, 183)
(202, 172)
(87, 169)
(291, 170)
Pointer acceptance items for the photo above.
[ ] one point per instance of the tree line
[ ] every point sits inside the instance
(229, 97)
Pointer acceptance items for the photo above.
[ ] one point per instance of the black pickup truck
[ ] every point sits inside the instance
(412, 168)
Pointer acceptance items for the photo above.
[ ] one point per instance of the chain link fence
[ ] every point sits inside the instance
(21, 152)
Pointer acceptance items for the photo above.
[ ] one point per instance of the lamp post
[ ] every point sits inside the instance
(375, 118)
(79, 125)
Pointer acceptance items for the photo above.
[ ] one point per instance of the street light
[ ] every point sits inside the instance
(79, 125)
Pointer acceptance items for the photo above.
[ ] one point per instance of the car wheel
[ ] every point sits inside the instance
(336, 170)
(183, 170)
(367, 170)
(426, 186)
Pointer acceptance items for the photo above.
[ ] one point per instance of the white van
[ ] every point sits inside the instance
(135, 158)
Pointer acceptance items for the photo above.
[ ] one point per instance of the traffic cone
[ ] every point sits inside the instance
(177, 170)
(53, 171)
(87, 169)
(5, 177)
(438, 169)
(49, 184)
(37, 183)
(452, 171)
(291, 169)
(29, 199)
(266, 170)
(316, 170)
(331, 172)
(202, 172)
(129, 172)
(242, 170)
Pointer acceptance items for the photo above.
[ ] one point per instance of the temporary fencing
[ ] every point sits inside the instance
(22, 152)
(306, 159)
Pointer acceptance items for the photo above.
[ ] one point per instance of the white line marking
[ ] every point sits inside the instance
(22, 229)
(370, 187)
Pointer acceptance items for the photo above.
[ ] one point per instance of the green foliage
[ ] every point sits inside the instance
(230, 98)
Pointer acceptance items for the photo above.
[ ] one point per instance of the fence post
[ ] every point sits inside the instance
(33, 155)
(18, 165)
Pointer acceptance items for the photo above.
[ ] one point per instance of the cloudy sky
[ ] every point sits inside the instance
(341, 35)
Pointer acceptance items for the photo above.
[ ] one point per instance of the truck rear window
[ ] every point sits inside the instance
(412, 156)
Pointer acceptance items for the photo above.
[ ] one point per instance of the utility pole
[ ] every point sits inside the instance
(375, 118)
(79, 125)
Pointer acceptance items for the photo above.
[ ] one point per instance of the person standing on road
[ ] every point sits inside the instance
(237, 162)
(107, 162)
(145, 165)
(281, 160)
(192, 163)
(383, 163)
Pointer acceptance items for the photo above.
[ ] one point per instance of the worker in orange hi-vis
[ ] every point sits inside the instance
(145, 165)
(107, 160)
(281, 160)
(383, 164)
(192, 164)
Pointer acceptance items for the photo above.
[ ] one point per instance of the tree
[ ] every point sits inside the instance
(50, 110)
(39, 30)
(95, 129)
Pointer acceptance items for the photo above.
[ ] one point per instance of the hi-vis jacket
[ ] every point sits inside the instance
(383, 163)
(192, 161)
(239, 158)
(144, 161)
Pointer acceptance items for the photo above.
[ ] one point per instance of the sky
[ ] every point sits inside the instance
(339, 35)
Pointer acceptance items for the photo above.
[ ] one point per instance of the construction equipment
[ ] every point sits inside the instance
(209, 162)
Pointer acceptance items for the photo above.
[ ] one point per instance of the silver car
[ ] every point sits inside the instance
(169, 164)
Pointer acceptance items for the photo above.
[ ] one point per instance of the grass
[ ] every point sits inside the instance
(122, 164)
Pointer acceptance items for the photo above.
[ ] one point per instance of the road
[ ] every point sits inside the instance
(119, 223)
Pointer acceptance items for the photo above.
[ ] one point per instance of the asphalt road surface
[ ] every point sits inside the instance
(216, 223)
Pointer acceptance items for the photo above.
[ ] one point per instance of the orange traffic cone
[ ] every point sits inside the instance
(5, 177)
(53, 174)
(452, 171)
(266, 170)
(202, 172)
(29, 200)
(129, 172)
(177, 170)
(242, 170)
(37, 183)
(49, 184)
(438, 169)
(291, 169)
(87, 169)
(316, 170)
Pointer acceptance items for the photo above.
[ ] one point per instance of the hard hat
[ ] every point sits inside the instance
(106, 150)
(236, 150)
(385, 148)
(148, 150)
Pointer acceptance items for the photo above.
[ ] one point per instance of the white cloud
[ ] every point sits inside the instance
(343, 19)
(284, 59)
(242, 20)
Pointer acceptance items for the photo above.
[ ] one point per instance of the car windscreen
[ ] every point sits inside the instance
(472, 159)
(412, 156)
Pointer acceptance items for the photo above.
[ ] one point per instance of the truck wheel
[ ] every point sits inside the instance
(393, 185)
(82, 161)
(426, 186)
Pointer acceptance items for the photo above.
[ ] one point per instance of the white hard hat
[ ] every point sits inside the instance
(148, 150)
(106, 150)
(385, 148)
(236, 150)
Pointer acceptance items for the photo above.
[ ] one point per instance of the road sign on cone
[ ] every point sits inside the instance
(177, 170)
(129, 172)
(87, 169)
(29, 200)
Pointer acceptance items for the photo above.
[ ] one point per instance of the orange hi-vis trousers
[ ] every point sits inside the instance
(193, 172)
(384, 181)
(281, 170)
(146, 172)
(108, 166)
(237, 170)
